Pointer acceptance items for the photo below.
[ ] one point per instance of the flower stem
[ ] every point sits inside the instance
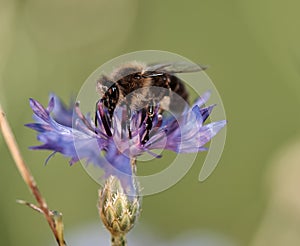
(118, 240)
(26, 175)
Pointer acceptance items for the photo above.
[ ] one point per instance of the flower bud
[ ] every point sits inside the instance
(118, 210)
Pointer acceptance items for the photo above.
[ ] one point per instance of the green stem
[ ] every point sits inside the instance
(118, 240)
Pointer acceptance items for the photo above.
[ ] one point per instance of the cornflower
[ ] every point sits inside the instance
(108, 145)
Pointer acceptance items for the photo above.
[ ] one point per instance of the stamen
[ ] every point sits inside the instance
(82, 117)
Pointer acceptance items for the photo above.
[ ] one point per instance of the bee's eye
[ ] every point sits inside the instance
(137, 76)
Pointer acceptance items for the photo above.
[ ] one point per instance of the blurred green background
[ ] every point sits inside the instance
(253, 51)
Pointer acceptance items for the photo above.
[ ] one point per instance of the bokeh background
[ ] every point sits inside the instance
(253, 51)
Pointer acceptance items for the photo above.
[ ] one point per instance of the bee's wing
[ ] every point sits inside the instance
(176, 67)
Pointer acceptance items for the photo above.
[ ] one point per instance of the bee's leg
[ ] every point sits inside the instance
(105, 107)
(101, 114)
(149, 120)
(96, 116)
(128, 121)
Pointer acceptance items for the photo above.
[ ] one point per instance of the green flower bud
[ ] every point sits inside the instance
(118, 210)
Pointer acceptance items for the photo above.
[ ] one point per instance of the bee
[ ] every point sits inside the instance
(142, 87)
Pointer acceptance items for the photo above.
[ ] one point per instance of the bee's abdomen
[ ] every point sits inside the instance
(178, 87)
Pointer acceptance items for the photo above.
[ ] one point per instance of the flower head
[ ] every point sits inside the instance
(107, 143)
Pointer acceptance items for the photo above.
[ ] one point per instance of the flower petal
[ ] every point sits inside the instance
(78, 145)
(61, 113)
(187, 134)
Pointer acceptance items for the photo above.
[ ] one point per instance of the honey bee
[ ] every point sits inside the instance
(137, 85)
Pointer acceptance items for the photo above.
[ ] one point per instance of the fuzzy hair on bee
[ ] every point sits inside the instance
(138, 77)
(141, 87)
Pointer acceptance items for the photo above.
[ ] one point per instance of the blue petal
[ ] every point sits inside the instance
(62, 113)
(79, 145)
(200, 101)
(108, 145)
(205, 112)
(187, 134)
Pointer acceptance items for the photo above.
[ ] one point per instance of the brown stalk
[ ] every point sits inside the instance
(26, 174)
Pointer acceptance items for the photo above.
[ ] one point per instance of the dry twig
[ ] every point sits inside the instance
(27, 176)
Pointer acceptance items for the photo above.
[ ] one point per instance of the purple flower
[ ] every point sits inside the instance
(107, 144)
